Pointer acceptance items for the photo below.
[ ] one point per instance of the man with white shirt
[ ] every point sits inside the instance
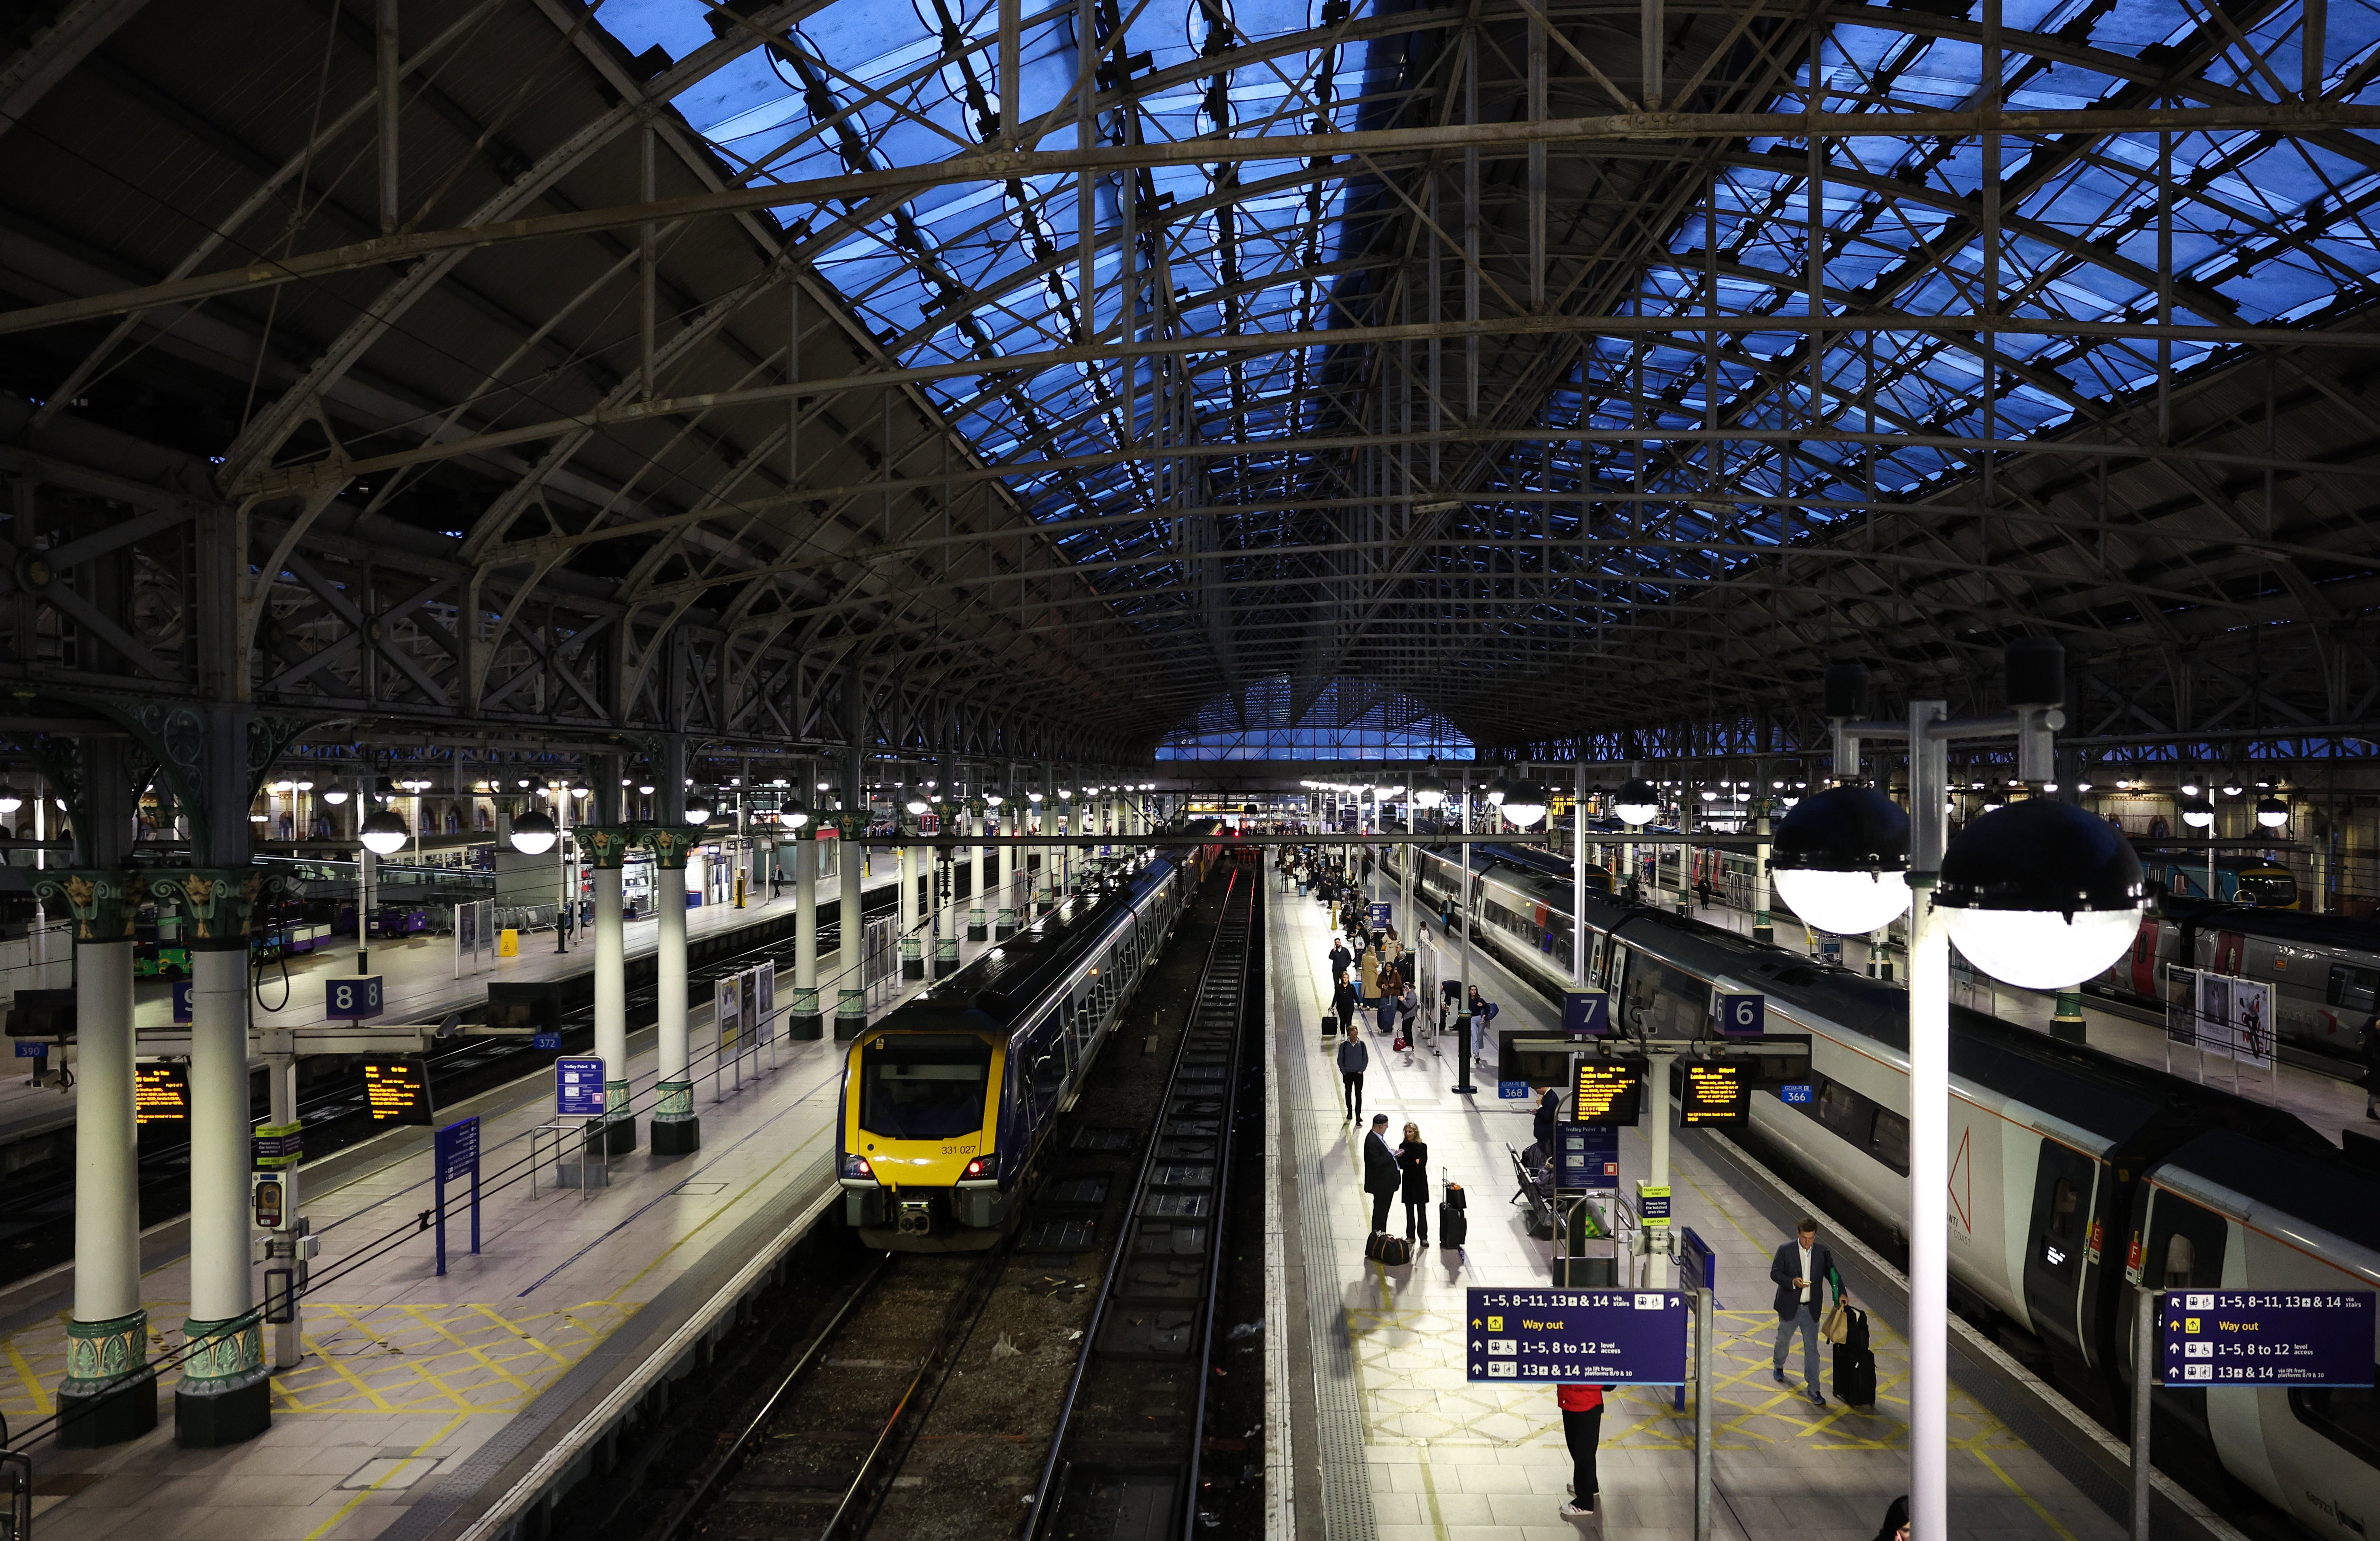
(1802, 1268)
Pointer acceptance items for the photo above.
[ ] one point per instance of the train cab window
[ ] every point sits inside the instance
(2346, 1416)
(923, 1088)
(2275, 888)
(2357, 990)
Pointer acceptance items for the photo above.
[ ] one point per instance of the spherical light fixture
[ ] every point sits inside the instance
(1498, 790)
(697, 809)
(2041, 895)
(1524, 804)
(2271, 812)
(333, 795)
(1840, 860)
(533, 833)
(993, 800)
(1429, 792)
(2197, 812)
(10, 799)
(792, 815)
(917, 804)
(1636, 803)
(385, 833)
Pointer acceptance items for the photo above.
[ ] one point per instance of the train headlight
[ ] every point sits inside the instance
(856, 1165)
(1839, 858)
(2041, 895)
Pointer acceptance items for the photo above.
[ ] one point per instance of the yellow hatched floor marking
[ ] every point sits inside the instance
(29, 1383)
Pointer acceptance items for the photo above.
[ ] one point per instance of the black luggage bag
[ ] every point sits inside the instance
(1855, 1365)
(1383, 1247)
(1452, 1225)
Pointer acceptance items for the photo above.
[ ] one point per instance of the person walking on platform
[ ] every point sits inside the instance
(1702, 892)
(1369, 972)
(1342, 1001)
(1340, 958)
(1381, 1179)
(1582, 1415)
(1800, 1269)
(1354, 1058)
(1413, 1161)
(1543, 1123)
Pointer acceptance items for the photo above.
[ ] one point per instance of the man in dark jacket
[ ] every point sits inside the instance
(1381, 1178)
(1548, 1119)
(1340, 959)
(1354, 1058)
(1342, 1001)
(1801, 1271)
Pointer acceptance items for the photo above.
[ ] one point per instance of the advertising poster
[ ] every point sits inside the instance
(2215, 1013)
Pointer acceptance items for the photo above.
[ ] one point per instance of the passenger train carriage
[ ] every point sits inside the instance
(2073, 1175)
(950, 1099)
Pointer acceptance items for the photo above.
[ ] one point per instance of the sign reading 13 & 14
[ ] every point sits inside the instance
(2267, 1337)
(1595, 1337)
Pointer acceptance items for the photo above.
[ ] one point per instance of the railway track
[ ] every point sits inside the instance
(920, 1404)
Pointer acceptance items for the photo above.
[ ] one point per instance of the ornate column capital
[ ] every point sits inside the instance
(220, 901)
(606, 846)
(103, 900)
(672, 847)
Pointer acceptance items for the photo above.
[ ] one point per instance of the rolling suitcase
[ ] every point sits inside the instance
(1452, 1225)
(1855, 1365)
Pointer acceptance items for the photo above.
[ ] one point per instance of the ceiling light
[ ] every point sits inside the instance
(533, 833)
(385, 833)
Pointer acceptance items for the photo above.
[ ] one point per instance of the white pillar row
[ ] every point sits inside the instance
(978, 925)
(913, 946)
(605, 848)
(109, 1394)
(806, 1021)
(851, 1001)
(224, 1395)
(677, 1131)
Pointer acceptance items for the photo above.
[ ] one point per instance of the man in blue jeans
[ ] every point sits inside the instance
(1800, 1269)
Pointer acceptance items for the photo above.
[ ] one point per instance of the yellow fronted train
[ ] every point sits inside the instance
(949, 1101)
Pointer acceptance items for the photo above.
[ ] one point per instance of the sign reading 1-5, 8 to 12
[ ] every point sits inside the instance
(2268, 1338)
(1602, 1337)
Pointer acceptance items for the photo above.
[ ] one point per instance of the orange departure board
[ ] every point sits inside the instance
(1607, 1092)
(397, 1090)
(1715, 1095)
(161, 1095)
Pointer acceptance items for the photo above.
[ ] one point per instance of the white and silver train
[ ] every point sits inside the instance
(2074, 1176)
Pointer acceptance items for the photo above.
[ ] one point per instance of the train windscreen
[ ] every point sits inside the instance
(923, 1088)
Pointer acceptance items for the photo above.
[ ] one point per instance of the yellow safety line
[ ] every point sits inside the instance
(442, 1330)
(614, 1298)
(2030, 1502)
(350, 1506)
(1430, 1491)
(42, 1403)
(524, 1335)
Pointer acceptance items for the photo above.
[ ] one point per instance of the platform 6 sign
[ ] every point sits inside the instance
(2268, 1338)
(1596, 1337)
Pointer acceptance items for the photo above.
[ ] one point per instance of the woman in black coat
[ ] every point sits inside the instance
(1413, 1161)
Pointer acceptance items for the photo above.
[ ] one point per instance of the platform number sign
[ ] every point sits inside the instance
(352, 1000)
(1742, 1016)
(1586, 1014)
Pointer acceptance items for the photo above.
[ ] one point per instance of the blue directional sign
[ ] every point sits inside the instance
(1379, 913)
(457, 1150)
(1586, 1014)
(1587, 1157)
(1596, 1336)
(578, 1089)
(354, 999)
(2268, 1338)
(1742, 1015)
(182, 1001)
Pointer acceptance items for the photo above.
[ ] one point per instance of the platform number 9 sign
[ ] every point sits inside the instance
(1742, 1015)
(353, 1000)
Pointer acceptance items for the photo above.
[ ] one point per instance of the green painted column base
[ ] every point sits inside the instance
(803, 1022)
(2065, 1026)
(946, 957)
(850, 1015)
(677, 1136)
(1763, 928)
(977, 930)
(109, 1393)
(913, 958)
(226, 1395)
(1005, 926)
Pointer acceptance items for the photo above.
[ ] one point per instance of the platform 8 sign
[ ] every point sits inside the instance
(2268, 1338)
(1596, 1336)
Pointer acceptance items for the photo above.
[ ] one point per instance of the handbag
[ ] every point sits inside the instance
(1836, 1326)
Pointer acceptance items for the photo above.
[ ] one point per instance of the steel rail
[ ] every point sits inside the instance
(1036, 1511)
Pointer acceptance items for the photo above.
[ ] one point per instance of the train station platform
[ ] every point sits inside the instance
(421, 984)
(1372, 1432)
(428, 1408)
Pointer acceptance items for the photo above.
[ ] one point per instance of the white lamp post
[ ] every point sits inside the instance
(2037, 892)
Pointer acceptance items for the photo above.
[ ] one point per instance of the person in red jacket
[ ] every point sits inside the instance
(1582, 1411)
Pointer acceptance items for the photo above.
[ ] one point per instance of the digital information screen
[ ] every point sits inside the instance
(2268, 1338)
(1607, 1092)
(161, 1095)
(1592, 1336)
(1716, 1095)
(397, 1090)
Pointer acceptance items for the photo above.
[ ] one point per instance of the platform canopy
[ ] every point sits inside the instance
(1078, 378)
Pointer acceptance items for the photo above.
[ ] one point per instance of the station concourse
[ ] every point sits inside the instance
(776, 635)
